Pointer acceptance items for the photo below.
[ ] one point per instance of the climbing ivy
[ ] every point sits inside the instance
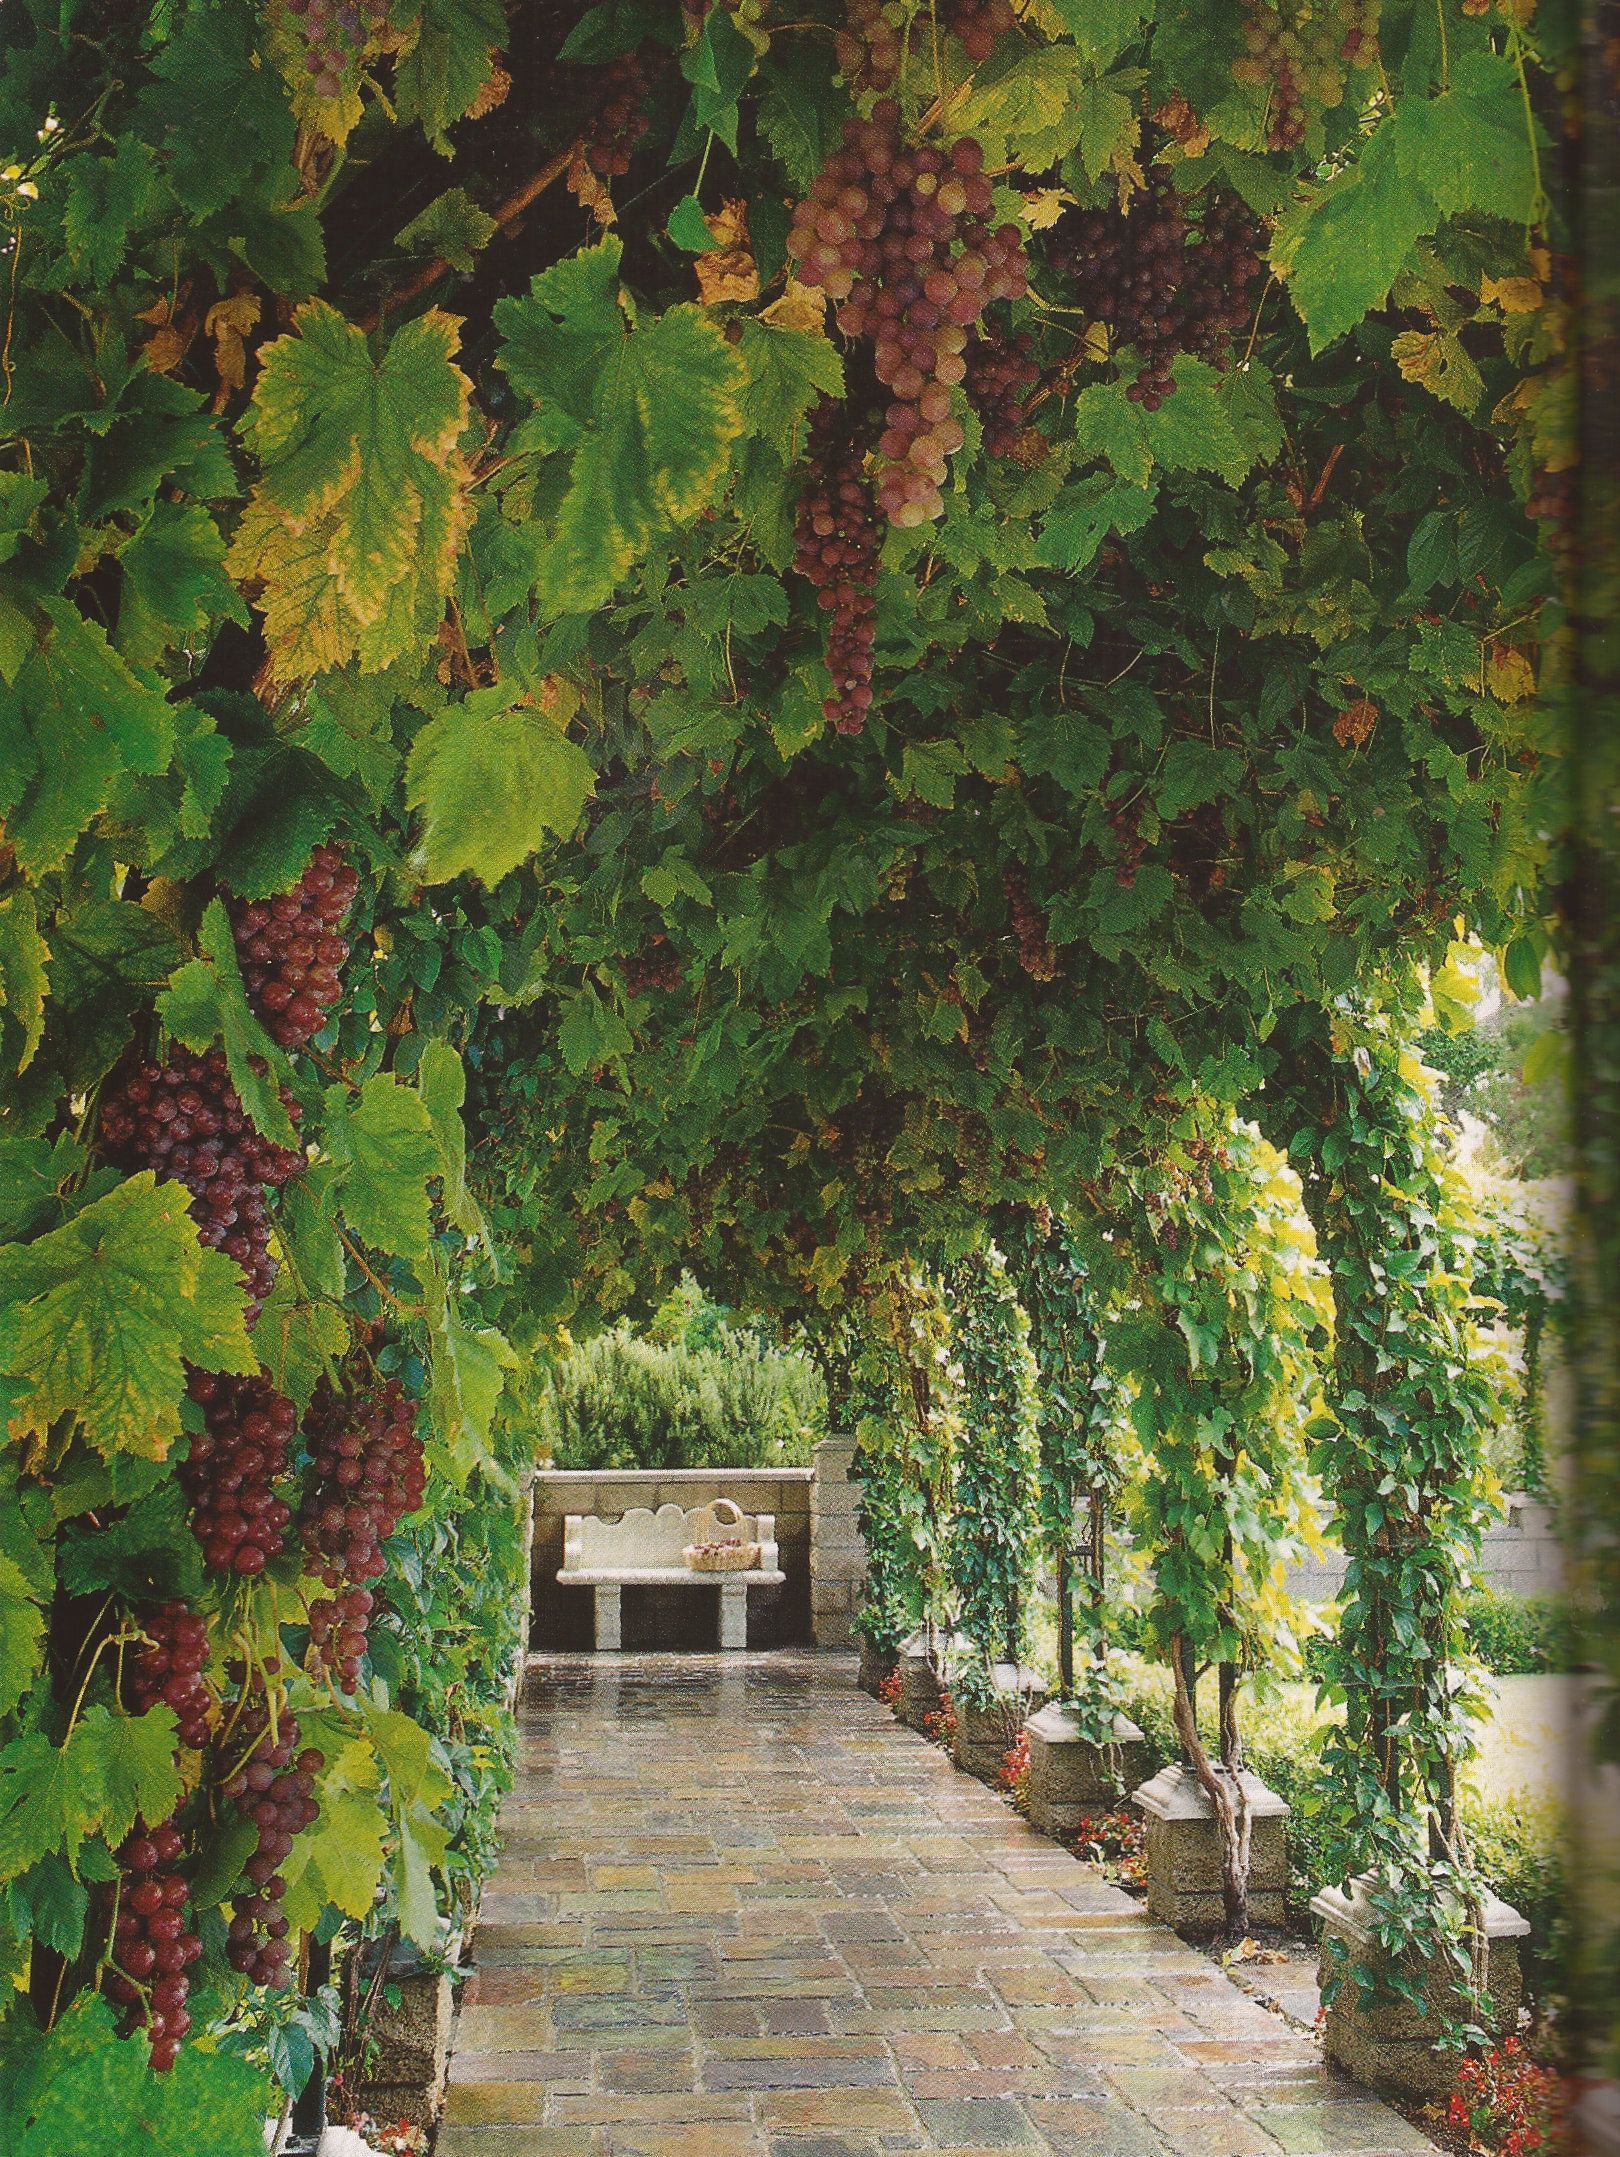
(995, 1501)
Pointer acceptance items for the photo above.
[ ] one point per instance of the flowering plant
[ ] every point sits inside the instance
(1509, 2104)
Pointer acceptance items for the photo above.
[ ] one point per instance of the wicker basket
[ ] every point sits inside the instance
(720, 1552)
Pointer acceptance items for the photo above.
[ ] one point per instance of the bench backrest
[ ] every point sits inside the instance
(643, 1538)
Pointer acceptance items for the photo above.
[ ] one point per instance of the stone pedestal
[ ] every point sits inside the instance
(920, 1689)
(876, 1666)
(410, 2049)
(1182, 1844)
(1069, 1777)
(1387, 2043)
(733, 1613)
(984, 1734)
(609, 1617)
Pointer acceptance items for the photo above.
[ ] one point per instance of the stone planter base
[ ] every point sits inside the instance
(920, 1689)
(1389, 2044)
(1070, 1778)
(411, 2044)
(876, 1665)
(985, 1734)
(1183, 1848)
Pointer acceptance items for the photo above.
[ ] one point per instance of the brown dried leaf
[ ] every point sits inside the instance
(800, 307)
(1178, 119)
(586, 186)
(1509, 675)
(492, 94)
(228, 322)
(728, 271)
(1353, 727)
(1514, 295)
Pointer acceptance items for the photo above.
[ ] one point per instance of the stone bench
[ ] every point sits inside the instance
(645, 1549)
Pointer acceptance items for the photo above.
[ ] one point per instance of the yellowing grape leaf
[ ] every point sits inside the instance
(24, 958)
(99, 1318)
(1437, 360)
(352, 532)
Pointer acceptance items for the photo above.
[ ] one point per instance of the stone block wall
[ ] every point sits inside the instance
(1520, 1556)
(837, 1550)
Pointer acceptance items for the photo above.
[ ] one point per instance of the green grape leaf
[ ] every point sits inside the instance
(75, 718)
(491, 779)
(448, 63)
(441, 1080)
(787, 371)
(468, 1374)
(389, 1153)
(131, 1761)
(42, 1807)
(174, 584)
(452, 227)
(667, 408)
(1086, 512)
(1102, 28)
(341, 1858)
(99, 1318)
(22, 1629)
(207, 1002)
(1026, 106)
(24, 971)
(352, 531)
(557, 338)
(47, 1903)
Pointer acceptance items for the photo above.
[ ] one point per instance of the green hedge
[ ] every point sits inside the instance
(621, 1401)
(1514, 1636)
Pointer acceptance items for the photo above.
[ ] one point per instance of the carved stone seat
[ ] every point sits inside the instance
(646, 1549)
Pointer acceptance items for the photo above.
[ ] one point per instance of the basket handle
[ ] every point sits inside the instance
(727, 1513)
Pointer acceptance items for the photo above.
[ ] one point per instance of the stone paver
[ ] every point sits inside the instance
(742, 1912)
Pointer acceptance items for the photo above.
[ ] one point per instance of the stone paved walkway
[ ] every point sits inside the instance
(744, 1913)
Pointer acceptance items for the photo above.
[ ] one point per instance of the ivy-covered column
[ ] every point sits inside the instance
(1222, 1346)
(1083, 1749)
(1418, 1383)
(994, 1517)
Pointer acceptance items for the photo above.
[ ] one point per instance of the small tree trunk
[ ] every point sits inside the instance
(1224, 1791)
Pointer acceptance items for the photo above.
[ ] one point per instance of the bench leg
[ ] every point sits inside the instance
(734, 1614)
(608, 1634)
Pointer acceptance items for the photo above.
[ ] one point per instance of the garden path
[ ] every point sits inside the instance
(744, 1913)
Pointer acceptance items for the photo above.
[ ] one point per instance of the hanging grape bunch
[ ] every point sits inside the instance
(167, 1669)
(613, 100)
(272, 1787)
(1303, 52)
(868, 44)
(231, 1470)
(1165, 279)
(291, 948)
(152, 1946)
(183, 1120)
(836, 543)
(1036, 954)
(978, 23)
(366, 1473)
(1002, 370)
(899, 239)
(335, 35)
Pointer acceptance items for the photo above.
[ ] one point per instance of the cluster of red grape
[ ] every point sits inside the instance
(837, 539)
(1162, 283)
(658, 967)
(182, 1119)
(169, 1668)
(612, 101)
(291, 948)
(1036, 954)
(231, 1470)
(978, 23)
(899, 239)
(152, 1944)
(1303, 51)
(869, 45)
(335, 33)
(367, 1473)
(1002, 370)
(273, 1789)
